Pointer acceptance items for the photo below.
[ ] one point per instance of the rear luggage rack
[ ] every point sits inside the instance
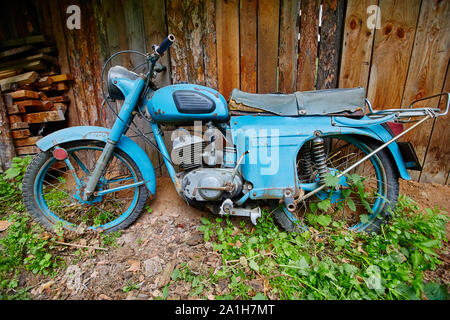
(405, 115)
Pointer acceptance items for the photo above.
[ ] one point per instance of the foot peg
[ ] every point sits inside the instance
(227, 209)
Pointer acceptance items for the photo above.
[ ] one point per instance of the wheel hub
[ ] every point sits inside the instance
(79, 192)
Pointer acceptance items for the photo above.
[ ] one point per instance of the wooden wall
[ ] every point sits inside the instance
(268, 46)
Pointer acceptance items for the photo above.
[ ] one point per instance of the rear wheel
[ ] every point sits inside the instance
(362, 210)
(52, 189)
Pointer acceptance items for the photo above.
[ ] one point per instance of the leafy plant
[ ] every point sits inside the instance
(129, 287)
(327, 261)
(23, 247)
(11, 184)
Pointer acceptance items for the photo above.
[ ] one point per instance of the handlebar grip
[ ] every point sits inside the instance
(167, 42)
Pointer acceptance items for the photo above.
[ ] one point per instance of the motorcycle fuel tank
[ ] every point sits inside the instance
(185, 103)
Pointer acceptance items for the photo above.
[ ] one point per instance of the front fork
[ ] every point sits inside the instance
(119, 128)
(100, 168)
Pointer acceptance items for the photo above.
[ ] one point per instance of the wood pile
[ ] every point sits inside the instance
(33, 91)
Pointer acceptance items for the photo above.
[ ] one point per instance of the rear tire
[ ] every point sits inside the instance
(382, 164)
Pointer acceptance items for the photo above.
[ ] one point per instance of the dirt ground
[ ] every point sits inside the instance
(150, 249)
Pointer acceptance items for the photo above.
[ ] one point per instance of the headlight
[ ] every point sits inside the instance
(115, 73)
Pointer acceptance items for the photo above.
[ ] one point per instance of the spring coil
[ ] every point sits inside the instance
(306, 163)
(320, 159)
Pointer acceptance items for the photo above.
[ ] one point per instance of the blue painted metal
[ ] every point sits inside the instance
(263, 136)
(123, 187)
(362, 122)
(101, 134)
(131, 90)
(162, 148)
(384, 136)
(162, 108)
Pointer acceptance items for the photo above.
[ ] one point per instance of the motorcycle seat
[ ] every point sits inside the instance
(318, 102)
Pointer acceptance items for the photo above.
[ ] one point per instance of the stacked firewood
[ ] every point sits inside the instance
(34, 92)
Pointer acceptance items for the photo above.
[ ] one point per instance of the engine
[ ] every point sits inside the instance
(211, 184)
(187, 151)
(205, 177)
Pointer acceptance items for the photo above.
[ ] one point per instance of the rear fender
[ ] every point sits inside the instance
(384, 136)
(127, 145)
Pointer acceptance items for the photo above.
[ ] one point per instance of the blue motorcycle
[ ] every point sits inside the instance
(292, 152)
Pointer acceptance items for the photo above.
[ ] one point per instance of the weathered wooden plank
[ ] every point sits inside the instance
(248, 20)
(27, 150)
(227, 36)
(19, 125)
(20, 134)
(437, 160)
(14, 118)
(356, 46)
(330, 43)
(24, 94)
(391, 52)
(82, 59)
(307, 52)
(59, 99)
(61, 77)
(21, 79)
(22, 41)
(58, 106)
(27, 103)
(175, 26)
(15, 109)
(195, 25)
(9, 73)
(61, 86)
(14, 51)
(268, 31)
(43, 82)
(112, 38)
(59, 36)
(288, 48)
(33, 105)
(41, 117)
(95, 61)
(135, 33)
(429, 60)
(44, 97)
(155, 25)
(30, 141)
(7, 151)
(51, 50)
(22, 62)
(210, 54)
(33, 66)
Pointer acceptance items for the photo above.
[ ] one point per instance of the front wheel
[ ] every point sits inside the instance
(52, 189)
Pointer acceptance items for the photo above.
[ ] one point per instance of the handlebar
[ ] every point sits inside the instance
(163, 46)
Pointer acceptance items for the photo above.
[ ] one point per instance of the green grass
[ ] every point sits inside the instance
(326, 262)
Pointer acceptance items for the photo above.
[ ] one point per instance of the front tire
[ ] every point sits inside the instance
(51, 196)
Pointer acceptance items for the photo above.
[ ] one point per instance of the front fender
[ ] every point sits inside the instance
(127, 145)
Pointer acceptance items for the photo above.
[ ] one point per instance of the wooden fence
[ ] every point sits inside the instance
(265, 46)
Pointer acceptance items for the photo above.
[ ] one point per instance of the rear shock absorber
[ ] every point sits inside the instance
(320, 159)
(305, 163)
